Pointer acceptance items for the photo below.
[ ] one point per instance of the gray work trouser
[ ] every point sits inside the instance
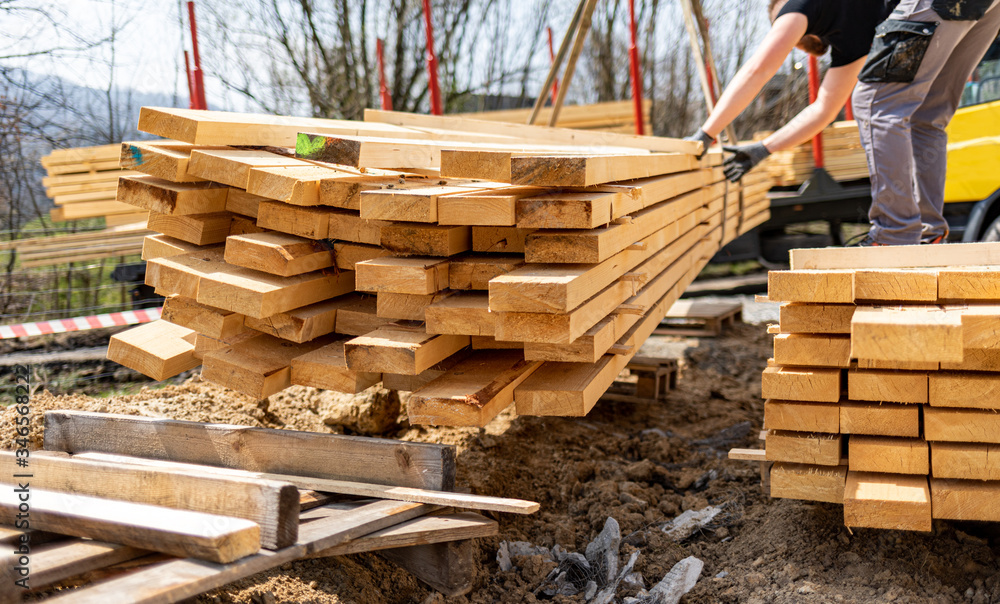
(902, 122)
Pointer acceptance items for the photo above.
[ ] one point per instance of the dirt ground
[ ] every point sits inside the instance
(642, 464)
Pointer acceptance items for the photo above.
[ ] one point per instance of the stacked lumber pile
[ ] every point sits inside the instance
(113, 242)
(843, 157)
(881, 393)
(474, 264)
(82, 182)
(613, 116)
(161, 516)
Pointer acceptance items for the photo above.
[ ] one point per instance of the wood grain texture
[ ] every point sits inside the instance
(159, 350)
(889, 455)
(812, 350)
(965, 500)
(802, 417)
(887, 386)
(970, 461)
(909, 333)
(804, 447)
(808, 482)
(887, 501)
(879, 419)
(961, 425)
(817, 287)
(821, 385)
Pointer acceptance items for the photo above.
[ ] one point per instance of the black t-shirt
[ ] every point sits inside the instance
(848, 26)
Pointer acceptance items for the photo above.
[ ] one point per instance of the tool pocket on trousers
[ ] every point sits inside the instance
(961, 10)
(897, 51)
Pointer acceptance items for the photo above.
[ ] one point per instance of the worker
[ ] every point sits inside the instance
(845, 27)
(923, 55)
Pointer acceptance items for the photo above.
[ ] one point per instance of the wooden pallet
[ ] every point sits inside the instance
(654, 378)
(699, 318)
(180, 465)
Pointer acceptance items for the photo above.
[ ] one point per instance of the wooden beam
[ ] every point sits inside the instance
(337, 457)
(272, 505)
(808, 482)
(232, 166)
(888, 386)
(475, 271)
(243, 203)
(159, 349)
(165, 197)
(448, 568)
(258, 366)
(917, 333)
(465, 313)
(804, 417)
(199, 229)
(473, 392)
(412, 239)
(403, 275)
(880, 419)
(969, 461)
(183, 533)
(887, 501)
(962, 389)
(822, 287)
(307, 222)
(896, 285)
(812, 350)
(896, 257)
(492, 207)
(206, 320)
(816, 318)
(406, 307)
(889, 455)
(804, 447)
(326, 368)
(965, 500)
(259, 295)
(182, 273)
(277, 253)
(400, 349)
(414, 201)
(166, 160)
(801, 384)
(961, 425)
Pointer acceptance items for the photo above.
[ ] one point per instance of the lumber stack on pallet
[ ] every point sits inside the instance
(476, 265)
(882, 393)
(613, 116)
(82, 182)
(843, 157)
(128, 508)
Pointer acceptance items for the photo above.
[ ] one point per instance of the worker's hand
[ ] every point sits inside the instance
(701, 137)
(744, 158)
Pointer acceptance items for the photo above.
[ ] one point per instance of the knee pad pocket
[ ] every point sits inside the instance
(897, 51)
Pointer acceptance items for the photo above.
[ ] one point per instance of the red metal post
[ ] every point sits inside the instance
(432, 64)
(199, 80)
(552, 59)
(383, 90)
(633, 57)
(708, 74)
(813, 93)
(190, 81)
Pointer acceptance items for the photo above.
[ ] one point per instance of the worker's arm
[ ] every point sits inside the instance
(833, 95)
(785, 33)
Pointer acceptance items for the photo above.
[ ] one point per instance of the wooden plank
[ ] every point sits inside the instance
(176, 580)
(961, 425)
(459, 526)
(923, 334)
(473, 392)
(597, 245)
(883, 419)
(887, 501)
(166, 160)
(199, 229)
(494, 207)
(414, 201)
(803, 447)
(55, 562)
(801, 384)
(181, 274)
(559, 170)
(411, 239)
(159, 350)
(165, 197)
(206, 320)
(822, 287)
(969, 283)
(403, 275)
(400, 349)
(301, 324)
(808, 482)
(240, 202)
(277, 253)
(965, 500)
(272, 505)
(357, 315)
(970, 461)
(980, 326)
(887, 386)
(802, 417)
(326, 368)
(896, 257)
(307, 222)
(312, 185)
(888, 455)
(814, 350)
(337, 457)
(899, 365)
(465, 313)
(347, 255)
(81, 210)
(520, 131)
(406, 307)
(976, 359)
(232, 166)
(567, 209)
(449, 568)
(897, 285)
(259, 295)
(475, 271)
(964, 389)
(499, 240)
(747, 455)
(258, 366)
(178, 532)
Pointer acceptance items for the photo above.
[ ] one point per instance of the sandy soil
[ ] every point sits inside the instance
(642, 464)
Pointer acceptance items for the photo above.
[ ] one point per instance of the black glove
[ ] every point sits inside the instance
(701, 137)
(744, 159)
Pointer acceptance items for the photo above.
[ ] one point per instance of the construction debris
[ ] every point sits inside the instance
(476, 264)
(881, 392)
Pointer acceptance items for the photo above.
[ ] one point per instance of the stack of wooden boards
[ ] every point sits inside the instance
(843, 157)
(613, 116)
(882, 391)
(166, 510)
(113, 242)
(82, 182)
(472, 263)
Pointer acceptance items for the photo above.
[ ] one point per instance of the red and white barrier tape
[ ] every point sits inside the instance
(128, 317)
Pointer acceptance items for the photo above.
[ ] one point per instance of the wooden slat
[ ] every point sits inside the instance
(401, 349)
(464, 313)
(889, 455)
(801, 384)
(965, 500)
(804, 447)
(879, 419)
(887, 501)
(258, 366)
(887, 386)
(165, 197)
(403, 275)
(213, 322)
(971, 461)
(804, 417)
(209, 537)
(896, 257)
(159, 349)
(808, 482)
(922, 334)
(198, 229)
(961, 425)
(301, 324)
(326, 367)
(259, 295)
(822, 287)
(330, 456)
(412, 239)
(420, 531)
(816, 318)
(812, 350)
(963, 389)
